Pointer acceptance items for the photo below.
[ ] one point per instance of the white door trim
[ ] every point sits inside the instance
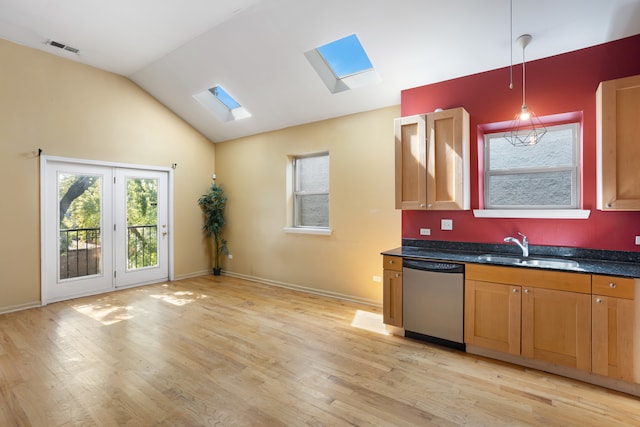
(44, 240)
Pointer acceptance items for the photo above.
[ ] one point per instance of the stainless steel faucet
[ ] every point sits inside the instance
(524, 245)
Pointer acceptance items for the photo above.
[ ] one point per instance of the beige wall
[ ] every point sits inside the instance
(72, 110)
(252, 171)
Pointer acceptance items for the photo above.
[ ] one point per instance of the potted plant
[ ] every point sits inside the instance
(212, 205)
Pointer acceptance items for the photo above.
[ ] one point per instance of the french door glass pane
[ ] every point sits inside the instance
(80, 222)
(142, 223)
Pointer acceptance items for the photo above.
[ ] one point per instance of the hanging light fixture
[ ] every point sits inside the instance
(526, 128)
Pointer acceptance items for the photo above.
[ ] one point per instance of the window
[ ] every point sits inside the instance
(541, 176)
(218, 101)
(345, 56)
(311, 191)
(343, 64)
(224, 97)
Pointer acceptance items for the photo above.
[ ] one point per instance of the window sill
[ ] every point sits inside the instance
(532, 213)
(308, 230)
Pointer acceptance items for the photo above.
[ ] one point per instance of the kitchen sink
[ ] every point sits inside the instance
(530, 261)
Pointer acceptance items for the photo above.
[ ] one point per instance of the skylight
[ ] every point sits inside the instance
(345, 56)
(224, 97)
(343, 64)
(222, 104)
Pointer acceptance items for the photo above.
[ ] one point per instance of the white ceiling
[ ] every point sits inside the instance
(255, 48)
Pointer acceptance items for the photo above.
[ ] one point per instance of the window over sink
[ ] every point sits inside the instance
(536, 181)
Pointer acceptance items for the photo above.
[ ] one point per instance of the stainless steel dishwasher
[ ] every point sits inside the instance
(433, 301)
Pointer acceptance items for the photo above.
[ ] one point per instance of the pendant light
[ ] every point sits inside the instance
(526, 128)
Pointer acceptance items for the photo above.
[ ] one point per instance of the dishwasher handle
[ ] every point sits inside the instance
(441, 267)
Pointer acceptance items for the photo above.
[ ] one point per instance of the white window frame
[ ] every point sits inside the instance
(574, 170)
(294, 225)
(572, 211)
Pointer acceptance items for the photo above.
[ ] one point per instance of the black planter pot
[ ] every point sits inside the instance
(216, 271)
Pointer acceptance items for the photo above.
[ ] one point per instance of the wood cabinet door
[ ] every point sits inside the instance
(448, 160)
(492, 316)
(411, 162)
(392, 298)
(612, 335)
(556, 327)
(618, 133)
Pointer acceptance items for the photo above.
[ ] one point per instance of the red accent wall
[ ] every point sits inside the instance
(559, 84)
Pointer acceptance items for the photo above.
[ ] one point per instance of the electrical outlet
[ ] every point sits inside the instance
(638, 240)
(446, 224)
(377, 279)
(230, 256)
(425, 232)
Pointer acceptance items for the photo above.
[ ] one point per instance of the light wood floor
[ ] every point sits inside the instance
(221, 351)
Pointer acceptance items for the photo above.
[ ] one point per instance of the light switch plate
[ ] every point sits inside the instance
(446, 224)
(638, 240)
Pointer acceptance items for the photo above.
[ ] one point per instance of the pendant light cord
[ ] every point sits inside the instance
(524, 101)
(511, 43)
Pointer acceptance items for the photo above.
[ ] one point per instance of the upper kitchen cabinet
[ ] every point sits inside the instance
(432, 161)
(448, 160)
(618, 135)
(411, 162)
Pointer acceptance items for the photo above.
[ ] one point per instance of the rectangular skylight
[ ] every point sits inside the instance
(219, 102)
(343, 65)
(345, 56)
(224, 97)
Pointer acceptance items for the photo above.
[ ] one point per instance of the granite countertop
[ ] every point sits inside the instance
(592, 261)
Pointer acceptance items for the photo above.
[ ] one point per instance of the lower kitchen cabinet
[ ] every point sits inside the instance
(556, 327)
(612, 309)
(392, 291)
(492, 316)
(535, 314)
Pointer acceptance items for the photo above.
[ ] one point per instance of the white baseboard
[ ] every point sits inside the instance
(336, 295)
(19, 307)
(192, 275)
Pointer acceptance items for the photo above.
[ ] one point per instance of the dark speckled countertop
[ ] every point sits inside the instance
(593, 261)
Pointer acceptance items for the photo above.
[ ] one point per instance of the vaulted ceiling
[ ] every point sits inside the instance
(255, 48)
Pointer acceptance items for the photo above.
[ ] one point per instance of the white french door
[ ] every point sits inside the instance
(141, 233)
(104, 227)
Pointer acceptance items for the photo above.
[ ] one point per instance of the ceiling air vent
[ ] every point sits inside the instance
(63, 47)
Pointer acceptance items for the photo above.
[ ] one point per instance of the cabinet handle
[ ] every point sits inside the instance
(612, 285)
(515, 291)
(422, 205)
(397, 274)
(599, 300)
(430, 205)
(390, 261)
(526, 291)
